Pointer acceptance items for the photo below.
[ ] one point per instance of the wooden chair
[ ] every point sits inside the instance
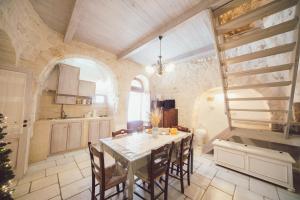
(106, 177)
(121, 132)
(185, 129)
(181, 159)
(158, 167)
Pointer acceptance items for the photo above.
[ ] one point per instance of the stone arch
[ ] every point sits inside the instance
(7, 50)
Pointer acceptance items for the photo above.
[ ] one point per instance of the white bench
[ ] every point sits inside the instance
(270, 165)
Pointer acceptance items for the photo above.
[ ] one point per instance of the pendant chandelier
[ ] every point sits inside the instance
(159, 62)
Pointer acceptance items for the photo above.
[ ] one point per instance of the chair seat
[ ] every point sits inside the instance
(114, 176)
(143, 174)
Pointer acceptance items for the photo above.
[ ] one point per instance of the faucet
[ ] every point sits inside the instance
(62, 112)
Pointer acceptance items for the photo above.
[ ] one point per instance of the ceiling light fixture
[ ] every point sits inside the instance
(159, 62)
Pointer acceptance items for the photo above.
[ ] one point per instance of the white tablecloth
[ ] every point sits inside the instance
(133, 150)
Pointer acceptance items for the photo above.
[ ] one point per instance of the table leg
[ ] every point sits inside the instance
(130, 181)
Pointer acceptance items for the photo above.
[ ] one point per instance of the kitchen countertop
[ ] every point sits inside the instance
(76, 119)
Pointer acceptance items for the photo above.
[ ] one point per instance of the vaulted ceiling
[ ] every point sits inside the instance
(129, 28)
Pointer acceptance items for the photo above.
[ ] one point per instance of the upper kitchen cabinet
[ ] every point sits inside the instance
(86, 88)
(68, 80)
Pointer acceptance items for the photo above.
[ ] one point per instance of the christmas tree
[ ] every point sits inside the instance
(6, 173)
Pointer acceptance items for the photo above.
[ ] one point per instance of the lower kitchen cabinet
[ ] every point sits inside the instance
(94, 133)
(99, 129)
(59, 136)
(74, 135)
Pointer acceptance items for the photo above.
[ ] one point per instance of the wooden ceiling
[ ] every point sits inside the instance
(129, 28)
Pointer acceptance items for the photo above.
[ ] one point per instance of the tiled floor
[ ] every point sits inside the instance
(68, 176)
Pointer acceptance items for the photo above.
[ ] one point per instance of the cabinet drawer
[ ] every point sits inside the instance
(229, 157)
(268, 168)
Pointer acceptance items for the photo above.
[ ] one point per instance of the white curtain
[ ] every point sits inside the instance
(138, 106)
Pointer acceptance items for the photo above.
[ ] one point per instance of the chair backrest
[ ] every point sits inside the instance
(182, 128)
(135, 125)
(121, 132)
(98, 168)
(185, 147)
(160, 161)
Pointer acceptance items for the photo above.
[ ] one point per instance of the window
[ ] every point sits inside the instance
(139, 102)
(99, 99)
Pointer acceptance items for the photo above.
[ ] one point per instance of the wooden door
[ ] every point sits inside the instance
(170, 118)
(68, 80)
(12, 99)
(94, 133)
(104, 129)
(59, 135)
(74, 135)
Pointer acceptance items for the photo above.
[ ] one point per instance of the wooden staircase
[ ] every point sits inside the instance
(228, 36)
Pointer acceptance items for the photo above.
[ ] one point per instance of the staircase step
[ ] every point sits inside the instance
(258, 121)
(260, 85)
(258, 99)
(268, 136)
(257, 110)
(261, 70)
(260, 34)
(260, 54)
(256, 14)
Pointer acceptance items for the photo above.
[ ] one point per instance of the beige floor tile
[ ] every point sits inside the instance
(173, 194)
(76, 187)
(86, 171)
(199, 180)
(207, 170)
(263, 188)
(82, 157)
(223, 185)
(43, 194)
(84, 164)
(61, 168)
(287, 195)
(213, 193)
(83, 195)
(56, 198)
(74, 153)
(32, 176)
(238, 179)
(21, 190)
(55, 157)
(244, 194)
(64, 161)
(40, 166)
(69, 176)
(193, 191)
(43, 182)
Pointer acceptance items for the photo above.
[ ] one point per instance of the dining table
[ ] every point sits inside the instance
(133, 150)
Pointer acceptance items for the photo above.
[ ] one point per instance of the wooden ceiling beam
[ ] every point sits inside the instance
(204, 4)
(74, 21)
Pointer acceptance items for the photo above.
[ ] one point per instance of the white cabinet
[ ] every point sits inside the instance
(68, 80)
(94, 133)
(59, 135)
(65, 136)
(270, 165)
(99, 129)
(86, 88)
(70, 100)
(105, 128)
(74, 135)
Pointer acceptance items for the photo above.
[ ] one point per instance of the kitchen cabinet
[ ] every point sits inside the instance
(74, 135)
(99, 129)
(59, 136)
(105, 129)
(94, 133)
(86, 88)
(68, 80)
